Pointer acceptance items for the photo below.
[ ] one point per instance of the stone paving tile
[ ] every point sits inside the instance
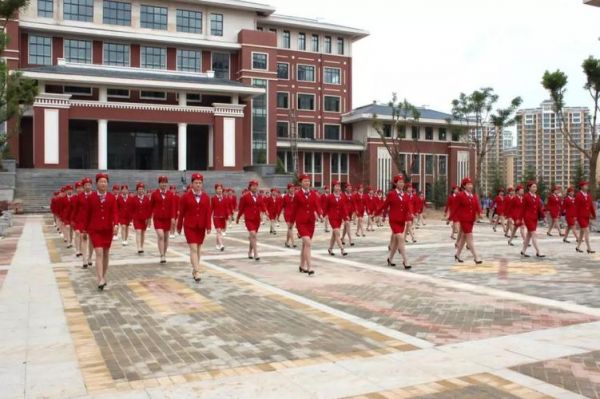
(422, 309)
(578, 373)
(8, 244)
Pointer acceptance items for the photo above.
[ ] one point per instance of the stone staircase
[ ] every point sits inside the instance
(35, 186)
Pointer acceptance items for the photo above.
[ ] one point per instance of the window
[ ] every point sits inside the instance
(529, 119)
(306, 131)
(576, 118)
(415, 164)
(327, 44)
(216, 24)
(332, 104)
(40, 50)
(403, 163)
(78, 10)
(286, 39)
(339, 164)
(428, 133)
(193, 98)
(332, 75)
(283, 70)
(116, 54)
(153, 17)
(315, 43)
(340, 45)
(282, 100)
(220, 64)
(442, 134)
(45, 8)
(116, 13)
(312, 162)
(153, 95)
(442, 166)
(154, 57)
(415, 133)
(189, 60)
(120, 93)
(387, 130)
(306, 102)
(306, 73)
(259, 124)
(455, 137)
(332, 132)
(78, 90)
(429, 164)
(302, 41)
(402, 132)
(189, 21)
(282, 129)
(286, 159)
(78, 51)
(259, 61)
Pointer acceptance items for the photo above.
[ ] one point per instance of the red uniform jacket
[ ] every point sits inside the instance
(517, 208)
(467, 207)
(349, 205)
(569, 208)
(553, 205)
(532, 207)
(323, 198)
(101, 215)
(305, 207)
(53, 203)
(500, 204)
(288, 208)
(66, 208)
(176, 199)
(80, 210)
(397, 206)
(335, 208)
(377, 203)
(508, 203)
(251, 208)
(139, 210)
(194, 214)
(124, 217)
(271, 204)
(360, 205)
(220, 208)
(419, 204)
(585, 206)
(163, 208)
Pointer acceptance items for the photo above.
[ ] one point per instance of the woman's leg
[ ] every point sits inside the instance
(99, 265)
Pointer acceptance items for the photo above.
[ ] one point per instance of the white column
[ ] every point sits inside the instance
(211, 141)
(182, 144)
(182, 98)
(235, 99)
(103, 94)
(102, 144)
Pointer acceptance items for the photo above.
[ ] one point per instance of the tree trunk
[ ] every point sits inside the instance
(593, 164)
(478, 174)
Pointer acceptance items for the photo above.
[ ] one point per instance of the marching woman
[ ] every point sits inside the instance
(360, 208)
(220, 212)
(451, 212)
(306, 210)
(162, 203)
(349, 213)
(66, 210)
(74, 213)
(101, 224)
(570, 211)
(412, 201)
(398, 208)
(370, 200)
(323, 198)
(532, 210)
(251, 206)
(140, 210)
(508, 211)
(194, 217)
(288, 214)
(376, 212)
(516, 214)
(81, 208)
(468, 209)
(585, 212)
(335, 211)
(115, 191)
(553, 206)
(420, 207)
(173, 189)
(271, 204)
(500, 207)
(124, 218)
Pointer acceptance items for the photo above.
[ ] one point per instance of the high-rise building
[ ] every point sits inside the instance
(543, 149)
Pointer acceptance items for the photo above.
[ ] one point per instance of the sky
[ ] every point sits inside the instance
(429, 51)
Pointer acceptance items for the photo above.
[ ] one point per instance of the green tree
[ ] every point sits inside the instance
(579, 175)
(495, 177)
(15, 90)
(556, 84)
(477, 111)
(440, 192)
(529, 175)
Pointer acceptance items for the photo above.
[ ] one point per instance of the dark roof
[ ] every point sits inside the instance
(385, 109)
(121, 74)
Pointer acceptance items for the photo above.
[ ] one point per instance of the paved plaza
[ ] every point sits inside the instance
(507, 328)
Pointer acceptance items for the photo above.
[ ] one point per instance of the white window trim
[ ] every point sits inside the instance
(187, 49)
(89, 94)
(115, 42)
(336, 84)
(312, 173)
(140, 5)
(288, 127)
(154, 69)
(116, 95)
(342, 176)
(252, 123)
(209, 30)
(201, 21)
(81, 40)
(142, 97)
(314, 74)
(433, 164)
(283, 32)
(306, 123)
(332, 112)
(229, 62)
(319, 43)
(289, 70)
(314, 96)
(51, 49)
(332, 124)
(330, 44)
(437, 170)
(277, 102)
(252, 60)
(298, 41)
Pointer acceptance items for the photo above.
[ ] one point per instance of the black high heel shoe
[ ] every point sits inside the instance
(591, 252)
(344, 253)
(523, 254)
(257, 259)
(310, 272)
(301, 270)
(197, 279)
(389, 263)
(351, 244)
(578, 250)
(330, 252)
(540, 256)
(566, 241)
(459, 260)
(287, 245)
(101, 287)
(478, 262)
(406, 267)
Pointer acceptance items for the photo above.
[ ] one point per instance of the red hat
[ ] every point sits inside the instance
(501, 189)
(454, 187)
(369, 188)
(398, 178)
(466, 181)
(116, 187)
(252, 183)
(68, 187)
(303, 177)
(218, 185)
(290, 185)
(56, 193)
(510, 189)
(172, 187)
(380, 191)
(273, 190)
(349, 186)
(78, 184)
(326, 187)
(408, 185)
(556, 187)
(335, 183)
(197, 176)
(519, 187)
(101, 175)
(583, 183)
(139, 185)
(62, 189)
(164, 179)
(124, 187)
(530, 183)
(359, 187)
(86, 180)
(570, 190)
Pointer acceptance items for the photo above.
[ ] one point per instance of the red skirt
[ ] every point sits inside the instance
(518, 222)
(252, 225)
(531, 224)
(124, 220)
(219, 223)
(306, 229)
(466, 227)
(583, 222)
(288, 217)
(570, 220)
(140, 224)
(397, 227)
(335, 223)
(79, 226)
(101, 238)
(161, 224)
(194, 235)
